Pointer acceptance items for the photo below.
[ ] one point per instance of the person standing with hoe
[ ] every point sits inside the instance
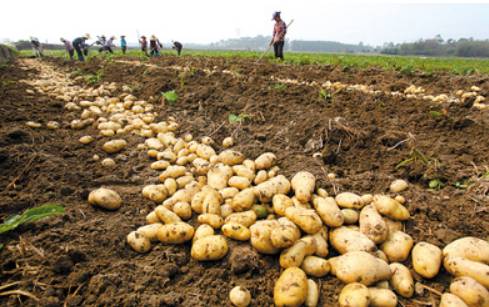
(278, 37)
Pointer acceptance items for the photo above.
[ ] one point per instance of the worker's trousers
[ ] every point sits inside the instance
(278, 48)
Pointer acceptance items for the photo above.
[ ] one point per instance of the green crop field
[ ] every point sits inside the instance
(404, 64)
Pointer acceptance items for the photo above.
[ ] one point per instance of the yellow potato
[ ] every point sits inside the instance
(152, 218)
(315, 266)
(239, 182)
(160, 165)
(203, 230)
(173, 171)
(354, 295)
(349, 200)
(303, 184)
(398, 246)
(228, 142)
(471, 248)
(175, 233)
(426, 259)
(236, 231)
(201, 166)
(250, 164)
(138, 242)
(290, 288)
(105, 198)
(153, 143)
(393, 225)
(470, 291)
(155, 192)
(228, 192)
(243, 171)
(311, 244)
(402, 281)
(366, 199)
(360, 267)
(276, 185)
(244, 200)
(322, 193)
(166, 155)
(87, 139)
(306, 219)
(398, 185)
(390, 207)
(346, 240)
(183, 210)
(184, 180)
(150, 231)
(380, 254)
(280, 203)
(226, 210)
(240, 297)
(350, 216)
(400, 199)
(312, 297)
(198, 201)
(373, 225)
(166, 216)
(260, 177)
(209, 248)
(171, 185)
(214, 220)
(458, 266)
(218, 176)
(108, 162)
(321, 243)
(211, 202)
(329, 211)
(450, 300)
(265, 161)
(114, 146)
(245, 218)
(260, 238)
(179, 145)
(231, 157)
(294, 255)
(285, 235)
(205, 151)
(382, 297)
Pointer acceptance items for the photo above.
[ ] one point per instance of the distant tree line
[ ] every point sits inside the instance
(464, 47)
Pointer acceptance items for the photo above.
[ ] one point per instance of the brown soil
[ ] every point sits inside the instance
(82, 258)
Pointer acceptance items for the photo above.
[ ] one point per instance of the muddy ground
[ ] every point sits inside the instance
(81, 259)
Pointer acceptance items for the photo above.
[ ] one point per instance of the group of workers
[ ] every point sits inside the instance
(81, 47)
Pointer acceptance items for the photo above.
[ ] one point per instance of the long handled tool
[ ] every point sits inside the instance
(270, 45)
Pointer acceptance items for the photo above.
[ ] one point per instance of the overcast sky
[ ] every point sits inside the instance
(203, 21)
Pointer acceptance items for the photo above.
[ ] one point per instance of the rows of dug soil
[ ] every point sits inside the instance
(367, 141)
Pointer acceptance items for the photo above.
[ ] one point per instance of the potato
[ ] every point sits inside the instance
(367, 199)
(373, 225)
(294, 255)
(382, 297)
(209, 248)
(315, 266)
(150, 231)
(239, 182)
(261, 211)
(290, 288)
(228, 142)
(228, 192)
(114, 146)
(311, 244)
(138, 242)
(160, 165)
(214, 220)
(280, 203)
(382, 285)
(231, 157)
(303, 184)
(260, 238)
(350, 216)
(398, 185)
(203, 230)
(152, 218)
(153, 143)
(390, 208)
(354, 295)
(218, 176)
(176, 233)
(240, 296)
(393, 225)
(198, 201)
(329, 211)
(243, 171)
(349, 200)
(260, 177)
(306, 219)
(211, 202)
(276, 185)
(166, 155)
(470, 291)
(184, 180)
(273, 171)
(401, 280)
(360, 267)
(183, 210)
(185, 194)
(166, 216)
(426, 259)
(243, 200)
(155, 192)
(108, 162)
(398, 246)
(312, 297)
(346, 240)
(205, 151)
(265, 161)
(321, 243)
(245, 218)
(105, 198)
(236, 231)
(87, 139)
(450, 300)
(285, 235)
(250, 164)
(458, 266)
(173, 171)
(400, 199)
(380, 254)
(201, 166)
(170, 185)
(470, 248)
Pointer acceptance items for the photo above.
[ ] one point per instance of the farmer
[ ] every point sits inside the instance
(278, 37)
(144, 45)
(123, 44)
(36, 47)
(81, 47)
(68, 47)
(154, 46)
(178, 47)
(109, 44)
